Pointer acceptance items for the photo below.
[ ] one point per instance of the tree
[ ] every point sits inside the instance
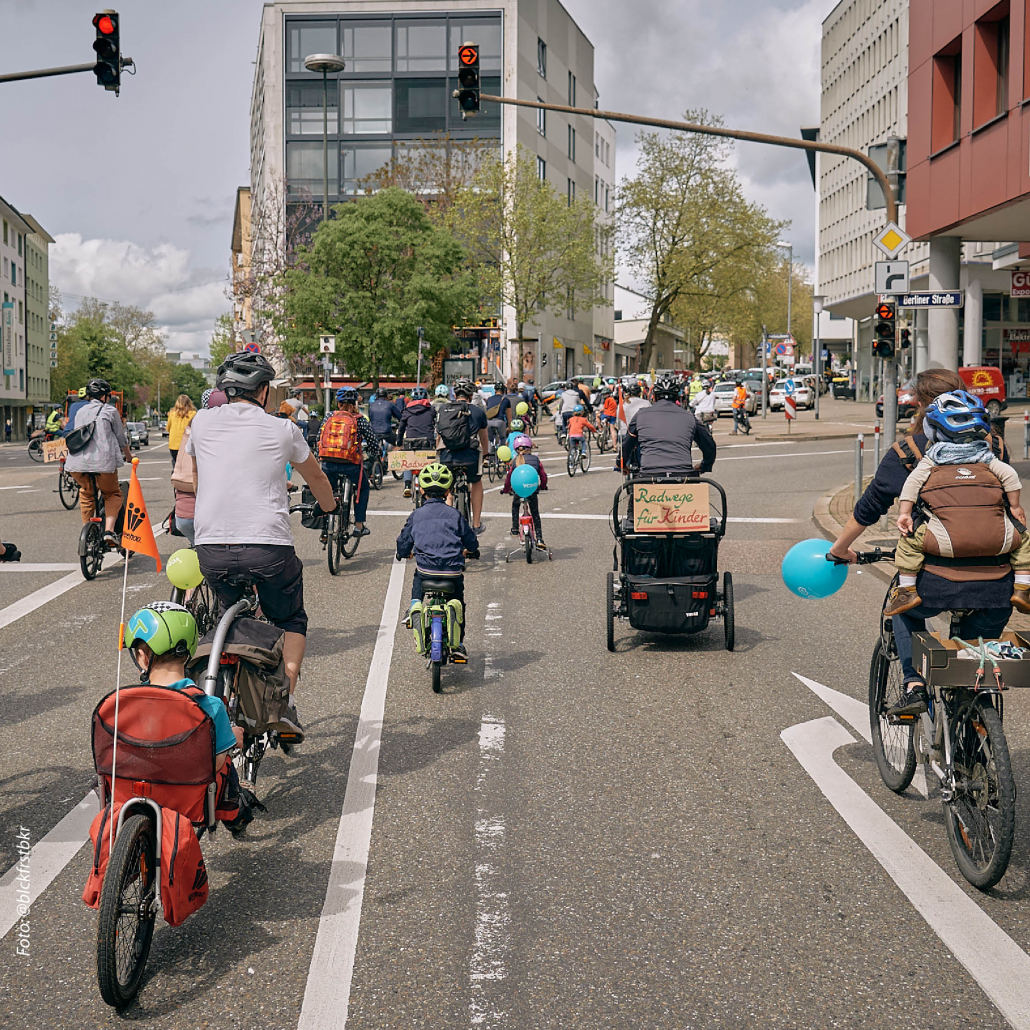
(373, 274)
(223, 339)
(688, 234)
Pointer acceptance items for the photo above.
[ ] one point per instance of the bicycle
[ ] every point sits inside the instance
(91, 538)
(339, 536)
(202, 603)
(528, 542)
(373, 466)
(67, 488)
(460, 493)
(579, 455)
(960, 739)
(36, 443)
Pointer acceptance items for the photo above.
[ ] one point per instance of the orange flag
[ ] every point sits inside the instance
(137, 531)
(622, 409)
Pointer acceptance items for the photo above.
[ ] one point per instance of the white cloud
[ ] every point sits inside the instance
(185, 300)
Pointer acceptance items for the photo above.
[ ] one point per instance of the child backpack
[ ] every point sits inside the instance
(454, 426)
(339, 440)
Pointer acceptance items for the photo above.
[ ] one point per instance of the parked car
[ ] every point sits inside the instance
(143, 430)
(164, 427)
(724, 398)
(132, 431)
(804, 395)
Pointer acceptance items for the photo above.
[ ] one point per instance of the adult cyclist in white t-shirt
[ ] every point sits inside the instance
(242, 519)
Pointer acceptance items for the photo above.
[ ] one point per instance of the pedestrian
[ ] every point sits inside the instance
(179, 418)
(740, 408)
(7, 430)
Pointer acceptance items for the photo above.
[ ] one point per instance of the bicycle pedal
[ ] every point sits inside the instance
(459, 659)
(897, 720)
(289, 739)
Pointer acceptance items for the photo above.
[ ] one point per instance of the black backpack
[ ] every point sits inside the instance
(454, 425)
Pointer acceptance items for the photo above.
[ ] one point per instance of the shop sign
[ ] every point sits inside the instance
(1020, 284)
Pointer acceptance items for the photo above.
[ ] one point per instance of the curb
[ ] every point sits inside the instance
(830, 528)
(800, 437)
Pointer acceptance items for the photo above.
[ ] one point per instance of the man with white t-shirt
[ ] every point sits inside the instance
(242, 519)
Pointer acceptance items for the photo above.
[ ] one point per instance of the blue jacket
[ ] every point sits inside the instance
(438, 534)
(382, 413)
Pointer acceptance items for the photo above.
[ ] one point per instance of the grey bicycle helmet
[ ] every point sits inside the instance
(464, 388)
(420, 393)
(667, 388)
(243, 372)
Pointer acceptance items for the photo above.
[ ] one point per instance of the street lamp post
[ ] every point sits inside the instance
(817, 350)
(790, 285)
(325, 63)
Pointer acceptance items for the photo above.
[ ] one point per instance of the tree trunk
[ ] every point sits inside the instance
(647, 347)
(522, 362)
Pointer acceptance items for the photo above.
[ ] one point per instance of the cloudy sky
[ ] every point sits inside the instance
(138, 191)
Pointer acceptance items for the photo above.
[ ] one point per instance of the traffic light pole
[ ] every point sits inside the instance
(716, 130)
(42, 73)
(890, 401)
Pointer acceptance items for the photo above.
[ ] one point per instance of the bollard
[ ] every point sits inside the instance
(876, 445)
(859, 448)
(1026, 434)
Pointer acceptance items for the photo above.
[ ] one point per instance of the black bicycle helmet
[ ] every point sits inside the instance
(667, 388)
(382, 393)
(464, 388)
(97, 388)
(243, 372)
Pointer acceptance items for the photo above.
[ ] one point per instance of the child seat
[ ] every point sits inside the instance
(166, 750)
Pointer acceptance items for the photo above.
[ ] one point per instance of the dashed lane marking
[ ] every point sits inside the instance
(38, 567)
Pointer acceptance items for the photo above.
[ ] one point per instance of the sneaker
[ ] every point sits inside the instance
(407, 491)
(1020, 599)
(903, 599)
(10, 552)
(288, 727)
(459, 655)
(111, 539)
(364, 531)
(479, 530)
(913, 702)
(514, 530)
(541, 546)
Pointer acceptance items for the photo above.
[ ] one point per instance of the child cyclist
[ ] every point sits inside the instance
(525, 456)
(963, 490)
(161, 637)
(518, 428)
(578, 425)
(439, 537)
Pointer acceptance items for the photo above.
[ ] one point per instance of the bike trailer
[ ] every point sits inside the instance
(262, 687)
(951, 663)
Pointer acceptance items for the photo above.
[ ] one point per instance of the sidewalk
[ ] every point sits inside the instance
(837, 419)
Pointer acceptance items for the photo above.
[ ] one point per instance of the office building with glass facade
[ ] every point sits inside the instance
(394, 94)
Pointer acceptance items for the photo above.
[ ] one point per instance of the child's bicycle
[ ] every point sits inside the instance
(527, 536)
(579, 454)
(436, 624)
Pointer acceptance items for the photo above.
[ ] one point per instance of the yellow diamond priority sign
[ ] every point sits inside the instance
(891, 239)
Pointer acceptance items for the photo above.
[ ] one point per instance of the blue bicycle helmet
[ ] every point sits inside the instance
(420, 393)
(347, 395)
(958, 416)
(442, 391)
(578, 409)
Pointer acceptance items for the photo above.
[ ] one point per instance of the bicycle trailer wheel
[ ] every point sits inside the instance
(729, 625)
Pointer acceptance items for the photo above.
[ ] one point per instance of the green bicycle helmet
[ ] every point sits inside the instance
(436, 477)
(517, 425)
(166, 628)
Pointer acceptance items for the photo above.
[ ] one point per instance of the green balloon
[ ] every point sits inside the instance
(504, 453)
(183, 569)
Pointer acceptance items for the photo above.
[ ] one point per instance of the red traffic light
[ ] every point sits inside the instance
(104, 24)
(468, 54)
(885, 311)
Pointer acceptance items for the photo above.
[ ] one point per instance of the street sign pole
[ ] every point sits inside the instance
(890, 402)
(421, 344)
(765, 373)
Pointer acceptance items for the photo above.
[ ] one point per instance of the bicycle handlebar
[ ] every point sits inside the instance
(864, 557)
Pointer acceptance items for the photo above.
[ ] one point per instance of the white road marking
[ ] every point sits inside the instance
(327, 994)
(769, 457)
(488, 963)
(856, 714)
(48, 857)
(991, 956)
(15, 487)
(38, 567)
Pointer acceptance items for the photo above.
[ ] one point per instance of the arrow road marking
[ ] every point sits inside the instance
(991, 956)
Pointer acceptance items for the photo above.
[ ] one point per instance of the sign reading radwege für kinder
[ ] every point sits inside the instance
(678, 508)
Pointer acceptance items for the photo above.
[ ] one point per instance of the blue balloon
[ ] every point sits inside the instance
(807, 573)
(525, 480)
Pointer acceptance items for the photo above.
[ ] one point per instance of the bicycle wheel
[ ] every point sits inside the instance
(126, 924)
(729, 624)
(36, 449)
(572, 462)
(461, 501)
(91, 544)
(893, 743)
(437, 686)
(981, 820)
(68, 490)
(490, 470)
(530, 547)
(610, 610)
(348, 542)
(203, 604)
(376, 476)
(333, 544)
(584, 457)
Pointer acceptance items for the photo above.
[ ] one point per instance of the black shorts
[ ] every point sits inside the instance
(473, 472)
(276, 571)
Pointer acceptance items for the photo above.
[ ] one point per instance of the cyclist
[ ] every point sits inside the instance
(509, 402)
(740, 408)
(161, 637)
(102, 456)
(441, 395)
(518, 428)
(339, 448)
(439, 536)
(462, 443)
(660, 436)
(578, 425)
(418, 425)
(73, 410)
(525, 456)
(54, 423)
(382, 414)
(242, 519)
(569, 399)
(610, 415)
(632, 406)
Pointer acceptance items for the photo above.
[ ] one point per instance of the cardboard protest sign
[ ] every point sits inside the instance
(671, 508)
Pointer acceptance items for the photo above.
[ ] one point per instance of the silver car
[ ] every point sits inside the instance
(724, 398)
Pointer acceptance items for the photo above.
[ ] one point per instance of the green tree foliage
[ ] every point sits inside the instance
(223, 339)
(532, 248)
(689, 235)
(373, 274)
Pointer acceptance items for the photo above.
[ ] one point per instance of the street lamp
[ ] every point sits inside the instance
(325, 63)
(817, 349)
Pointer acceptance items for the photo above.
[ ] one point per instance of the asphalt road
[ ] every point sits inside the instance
(564, 838)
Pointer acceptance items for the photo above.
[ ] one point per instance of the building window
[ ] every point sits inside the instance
(5, 230)
(606, 199)
(421, 46)
(597, 144)
(367, 107)
(420, 105)
(541, 119)
(304, 108)
(597, 189)
(304, 170)
(485, 32)
(541, 169)
(572, 191)
(946, 123)
(541, 57)
(361, 162)
(991, 64)
(308, 37)
(572, 90)
(572, 144)
(367, 47)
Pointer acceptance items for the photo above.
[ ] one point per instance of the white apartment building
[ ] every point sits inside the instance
(395, 90)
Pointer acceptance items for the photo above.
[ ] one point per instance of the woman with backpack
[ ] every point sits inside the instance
(339, 449)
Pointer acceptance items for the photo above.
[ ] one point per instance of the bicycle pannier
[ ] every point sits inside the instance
(453, 426)
(262, 688)
(184, 883)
